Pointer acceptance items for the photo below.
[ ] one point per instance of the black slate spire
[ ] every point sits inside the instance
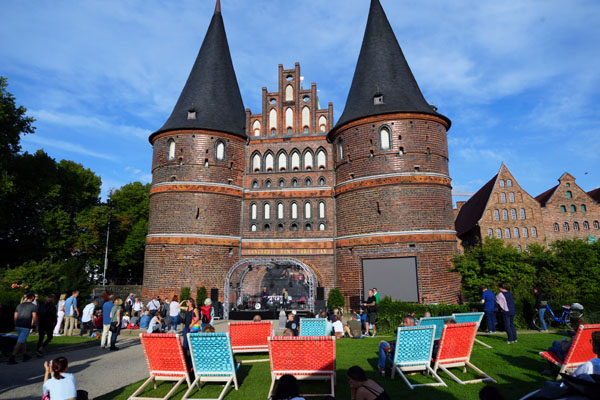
(383, 82)
(211, 93)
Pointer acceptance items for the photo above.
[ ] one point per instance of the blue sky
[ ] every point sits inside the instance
(520, 80)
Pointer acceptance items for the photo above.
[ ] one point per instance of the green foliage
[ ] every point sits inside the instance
(201, 295)
(335, 299)
(185, 293)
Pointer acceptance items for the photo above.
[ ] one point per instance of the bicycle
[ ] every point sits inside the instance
(568, 312)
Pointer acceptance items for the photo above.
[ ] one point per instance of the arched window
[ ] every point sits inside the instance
(295, 161)
(556, 227)
(171, 149)
(566, 226)
(256, 128)
(253, 228)
(505, 214)
(503, 197)
(563, 209)
(280, 211)
(307, 210)
(507, 233)
(308, 182)
(266, 211)
(501, 183)
(254, 184)
(282, 161)
(525, 232)
(576, 226)
(279, 227)
(533, 231)
(267, 227)
(516, 233)
(384, 138)
(282, 182)
(305, 117)
(513, 214)
(273, 119)
(321, 159)
(596, 225)
(273, 131)
(294, 182)
(583, 208)
(519, 248)
(511, 197)
(220, 151)
(289, 119)
(340, 149)
(508, 183)
(322, 123)
(322, 209)
(308, 160)
(569, 194)
(308, 226)
(321, 227)
(294, 227)
(253, 211)
(256, 163)
(496, 215)
(586, 225)
(490, 233)
(294, 210)
(269, 162)
(499, 233)
(268, 183)
(573, 208)
(522, 212)
(289, 93)
(322, 181)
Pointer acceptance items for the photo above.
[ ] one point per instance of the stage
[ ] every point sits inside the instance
(249, 315)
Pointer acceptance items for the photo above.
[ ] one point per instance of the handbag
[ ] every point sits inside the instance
(113, 327)
(46, 396)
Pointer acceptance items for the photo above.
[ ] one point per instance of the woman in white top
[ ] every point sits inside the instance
(57, 382)
(174, 310)
(60, 313)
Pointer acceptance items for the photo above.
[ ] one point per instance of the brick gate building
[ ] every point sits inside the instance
(361, 203)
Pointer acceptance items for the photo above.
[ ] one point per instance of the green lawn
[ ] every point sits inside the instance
(57, 342)
(515, 367)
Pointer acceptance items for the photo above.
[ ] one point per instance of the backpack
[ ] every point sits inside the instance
(205, 314)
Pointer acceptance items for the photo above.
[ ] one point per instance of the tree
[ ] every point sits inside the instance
(335, 299)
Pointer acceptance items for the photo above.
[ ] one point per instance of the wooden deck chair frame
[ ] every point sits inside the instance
(303, 374)
(460, 360)
(580, 340)
(211, 376)
(438, 322)
(155, 375)
(258, 326)
(405, 344)
(313, 321)
(471, 317)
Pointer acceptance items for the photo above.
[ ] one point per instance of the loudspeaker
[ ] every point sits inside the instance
(214, 294)
(218, 308)
(320, 293)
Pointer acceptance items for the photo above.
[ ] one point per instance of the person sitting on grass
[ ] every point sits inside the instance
(287, 389)
(155, 324)
(59, 384)
(561, 348)
(386, 349)
(362, 388)
(593, 365)
(352, 328)
(145, 320)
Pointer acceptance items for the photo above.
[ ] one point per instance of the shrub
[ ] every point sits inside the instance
(185, 294)
(201, 295)
(335, 299)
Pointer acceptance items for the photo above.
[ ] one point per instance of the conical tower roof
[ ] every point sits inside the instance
(382, 70)
(212, 90)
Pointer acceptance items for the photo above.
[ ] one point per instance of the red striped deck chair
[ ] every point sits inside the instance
(304, 357)
(165, 360)
(454, 350)
(579, 352)
(250, 337)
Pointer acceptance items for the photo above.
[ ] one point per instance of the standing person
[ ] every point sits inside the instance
(137, 307)
(57, 382)
(46, 321)
(25, 317)
(87, 322)
(376, 293)
(129, 303)
(207, 314)
(153, 306)
(488, 299)
(174, 312)
(292, 324)
(371, 304)
(106, 333)
(115, 322)
(540, 306)
(71, 313)
(507, 305)
(362, 388)
(190, 318)
(284, 299)
(60, 313)
(264, 299)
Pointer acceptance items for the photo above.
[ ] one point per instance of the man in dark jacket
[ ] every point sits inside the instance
(46, 321)
(540, 306)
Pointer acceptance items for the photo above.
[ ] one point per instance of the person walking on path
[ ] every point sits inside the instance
(87, 322)
(540, 306)
(507, 305)
(106, 333)
(115, 323)
(25, 317)
(60, 313)
(71, 313)
(488, 299)
(46, 321)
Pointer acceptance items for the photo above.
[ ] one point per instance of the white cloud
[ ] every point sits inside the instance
(66, 147)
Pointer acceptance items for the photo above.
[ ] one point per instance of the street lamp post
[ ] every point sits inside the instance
(104, 281)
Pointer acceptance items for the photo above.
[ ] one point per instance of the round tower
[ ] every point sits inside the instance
(394, 216)
(197, 177)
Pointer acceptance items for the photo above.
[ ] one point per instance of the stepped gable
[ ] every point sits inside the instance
(471, 212)
(211, 91)
(382, 70)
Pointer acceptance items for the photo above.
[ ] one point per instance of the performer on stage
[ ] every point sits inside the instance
(284, 299)
(264, 299)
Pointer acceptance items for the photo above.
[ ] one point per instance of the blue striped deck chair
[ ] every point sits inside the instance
(461, 318)
(414, 345)
(313, 327)
(438, 322)
(213, 361)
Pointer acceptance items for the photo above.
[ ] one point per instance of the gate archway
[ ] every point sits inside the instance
(235, 286)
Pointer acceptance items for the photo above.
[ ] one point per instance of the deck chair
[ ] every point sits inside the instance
(313, 327)
(250, 337)
(438, 322)
(471, 317)
(213, 361)
(165, 360)
(304, 357)
(579, 352)
(454, 350)
(414, 345)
